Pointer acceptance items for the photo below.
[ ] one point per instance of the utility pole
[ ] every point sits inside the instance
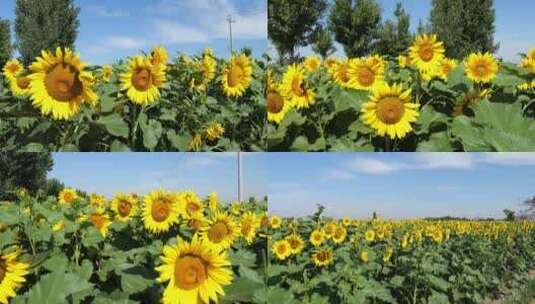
(230, 20)
(240, 178)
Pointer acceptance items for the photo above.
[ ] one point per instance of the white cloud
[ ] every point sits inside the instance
(443, 161)
(103, 11)
(372, 166)
(172, 33)
(514, 159)
(124, 42)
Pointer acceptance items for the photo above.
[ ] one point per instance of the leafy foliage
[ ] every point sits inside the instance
(6, 48)
(73, 262)
(395, 36)
(448, 261)
(23, 170)
(45, 25)
(464, 26)
(117, 124)
(355, 24)
(292, 23)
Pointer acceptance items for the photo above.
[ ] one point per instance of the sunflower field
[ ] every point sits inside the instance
(164, 247)
(420, 101)
(149, 102)
(323, 260)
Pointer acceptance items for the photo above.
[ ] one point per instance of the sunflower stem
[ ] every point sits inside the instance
(388, 144)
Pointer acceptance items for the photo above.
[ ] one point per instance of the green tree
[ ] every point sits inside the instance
(465, 26)
(323, 43)
(6, 48)
(422, 29)
(26, 170)
(394, 36)
(355, 24)
(291, 24)
(45, 25)
(509, 215)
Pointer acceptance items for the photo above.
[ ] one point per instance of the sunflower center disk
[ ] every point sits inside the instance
(426, 52)
(294, 243)
(366, 77)
(481, 69)
(390, 110)
(23, 82)
(245, 228)
(190, 272)
(160, 211)
(68, 197)
(192, 208)
(124, 208)
(195, 224)
(275, 103)
(63, 83)
(3, 269)
(97, 220)
(235, 76)
(298, 88)
(323, 256)
(142, 79)
(218, 232)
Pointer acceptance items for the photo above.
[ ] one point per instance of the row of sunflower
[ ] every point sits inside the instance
(445, 261)
(191, 246)
(384, 98)
(174, 92)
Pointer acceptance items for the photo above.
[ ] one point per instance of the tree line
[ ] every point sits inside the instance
(39, 25)
(465, 26)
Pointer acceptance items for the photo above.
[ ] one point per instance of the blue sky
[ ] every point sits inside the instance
(112, 29)
(512, 23)
(399, 185)
(107, 173)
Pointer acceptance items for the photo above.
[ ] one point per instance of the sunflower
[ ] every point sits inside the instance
(293, 88)
(237, 76)
(388, 254)
(369, 235)
(330, 62)
(365, 73)
(275, 222)
(196, 272)
(403, 61)
(312, 63)
(236, 208)
(282, 249)
(208, 66)
(190, 204)
(322, 257)
(213, 201)
(160, 211)
(277, 106)
(60, 225)
(329, 229)
(296, 243)
(100, 220)
(248, 226)
(221, 230)
(197, 222)
(12, 274)
(12, 69)
(470, 99)
(446, 67)
(346, 221)
(159, 56)
(317, 237)
(528, 64)
(20, 85)
(59, 84)
(142, 80)
(214, 132)
(481, 68)
(339, 234)
(339, 74)
(426, 52)
(124, 206)
(364, 256)
(96, 200)
(390, 111)
(67, 196)
(195, 143)
(107, 71)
